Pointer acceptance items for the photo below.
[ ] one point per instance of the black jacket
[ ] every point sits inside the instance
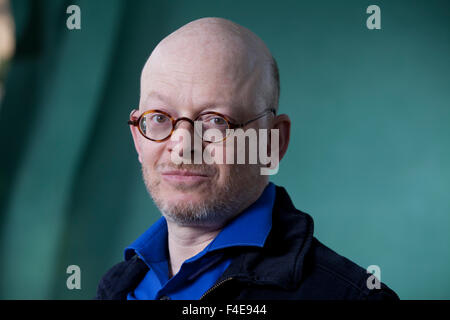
(292, 265)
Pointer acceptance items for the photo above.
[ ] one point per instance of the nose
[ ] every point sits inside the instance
(183, 141)
(183, 120)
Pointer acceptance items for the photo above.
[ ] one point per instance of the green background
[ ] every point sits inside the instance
(369, 157)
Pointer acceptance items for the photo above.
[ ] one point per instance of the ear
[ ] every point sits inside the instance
(282, 122)
(136, 139)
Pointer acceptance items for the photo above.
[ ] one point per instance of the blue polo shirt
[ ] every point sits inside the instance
(200, 272)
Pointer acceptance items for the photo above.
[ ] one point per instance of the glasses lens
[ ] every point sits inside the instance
(214, 127)
(156, 126)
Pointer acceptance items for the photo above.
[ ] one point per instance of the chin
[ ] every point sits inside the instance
(175, 195)
(186, 197)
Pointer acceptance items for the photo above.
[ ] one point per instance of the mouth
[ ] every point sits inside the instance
(177, 176)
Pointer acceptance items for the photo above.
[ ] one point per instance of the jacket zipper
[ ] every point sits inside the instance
(214, 287)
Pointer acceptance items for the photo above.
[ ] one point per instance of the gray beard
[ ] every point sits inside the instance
(219, 207)
(207, 213)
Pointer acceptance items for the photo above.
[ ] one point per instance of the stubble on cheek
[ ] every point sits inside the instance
(219, 200)
(151, 183)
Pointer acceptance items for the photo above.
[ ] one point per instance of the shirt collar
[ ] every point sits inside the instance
(250, 228)
(151, 246)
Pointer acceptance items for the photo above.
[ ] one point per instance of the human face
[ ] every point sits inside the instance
(184, 83)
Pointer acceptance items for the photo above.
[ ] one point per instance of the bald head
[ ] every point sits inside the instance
(216, 49)
(209, 66)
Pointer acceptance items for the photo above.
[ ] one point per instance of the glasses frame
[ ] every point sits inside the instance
(136, 121)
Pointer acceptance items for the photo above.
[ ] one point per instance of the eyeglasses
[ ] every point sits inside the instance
(158, 126)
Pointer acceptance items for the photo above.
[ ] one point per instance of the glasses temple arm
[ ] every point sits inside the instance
(258, 117)
(133, 120)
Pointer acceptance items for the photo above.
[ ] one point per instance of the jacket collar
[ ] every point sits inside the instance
(280, 262)
(249, 228)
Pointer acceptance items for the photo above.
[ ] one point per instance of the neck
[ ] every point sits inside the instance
(185, 242)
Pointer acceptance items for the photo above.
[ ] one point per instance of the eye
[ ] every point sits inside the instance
(217, 121)
(159, 118)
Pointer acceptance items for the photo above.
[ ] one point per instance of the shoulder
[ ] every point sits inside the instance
(121, 279)
(325, 274)
(342, 278)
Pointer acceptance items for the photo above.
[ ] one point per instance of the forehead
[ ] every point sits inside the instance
(190, 83)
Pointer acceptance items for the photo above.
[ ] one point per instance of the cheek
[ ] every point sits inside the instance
(151, 153)
(223, 172)
(233, 171)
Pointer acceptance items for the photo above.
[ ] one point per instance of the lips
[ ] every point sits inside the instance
(175, 177)
(183, 173)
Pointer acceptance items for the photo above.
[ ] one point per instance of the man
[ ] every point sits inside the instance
(226, 232)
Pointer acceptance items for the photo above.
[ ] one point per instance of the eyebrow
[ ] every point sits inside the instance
(166, 99)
